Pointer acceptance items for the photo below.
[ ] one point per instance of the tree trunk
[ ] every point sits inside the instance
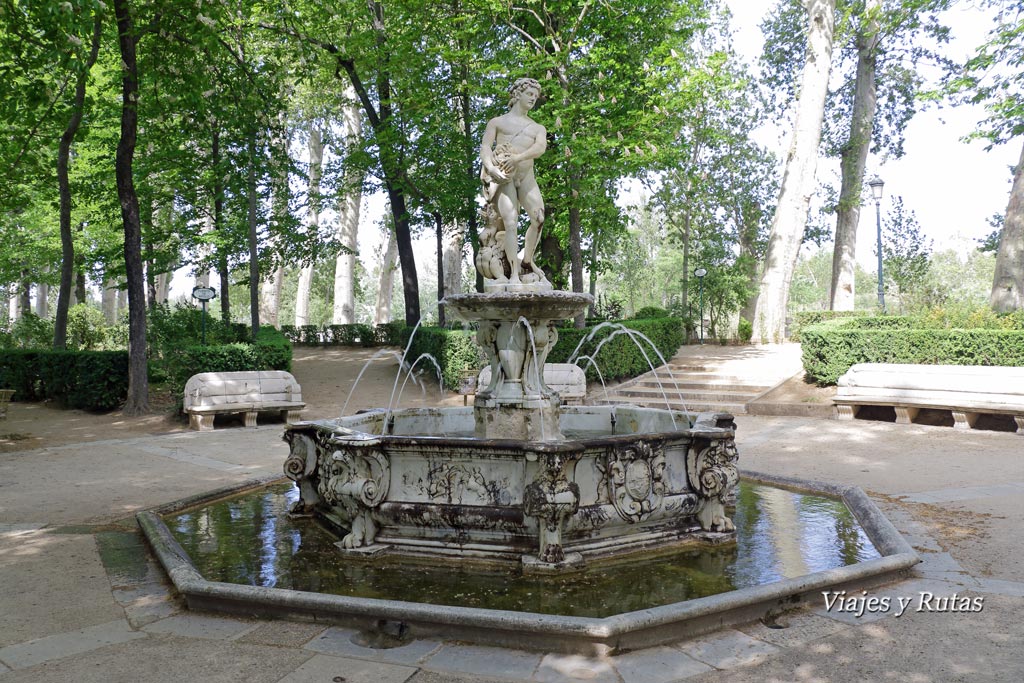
(271, 299)
(42, 300)
(453, 259)
(316, 156)
(439, 247)
(382, 311)
(854, 159)
(576, 254)
(138, 382)
(798, 179)
(218, 225)
(67, 247)
(254, 254)
(25, 293)
(150, 277)
(108, 301)
(593, 270)
(1008, 283)
(348, 222)
(163, 287)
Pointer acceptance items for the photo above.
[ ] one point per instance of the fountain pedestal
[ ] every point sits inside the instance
(517, 328)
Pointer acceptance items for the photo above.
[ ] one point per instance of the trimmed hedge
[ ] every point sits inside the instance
(358, 334)
(90, 380)
(455, 351)
(831, 347)
(621, 357)
(270, 351)
(804, 319)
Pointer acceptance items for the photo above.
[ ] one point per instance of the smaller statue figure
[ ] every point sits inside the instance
(510, 144)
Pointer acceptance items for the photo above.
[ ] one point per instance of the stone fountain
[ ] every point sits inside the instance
(517, 477)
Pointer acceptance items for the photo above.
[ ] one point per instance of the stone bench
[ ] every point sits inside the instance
(566, 379)
(966, 391)
(250, 392)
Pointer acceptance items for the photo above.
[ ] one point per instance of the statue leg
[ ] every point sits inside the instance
(508, 208)
(534, 205)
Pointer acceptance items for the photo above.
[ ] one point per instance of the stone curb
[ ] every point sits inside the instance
(551, 633)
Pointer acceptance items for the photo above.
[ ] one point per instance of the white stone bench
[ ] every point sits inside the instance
(966, 391)
(567, 380)
(211, 393)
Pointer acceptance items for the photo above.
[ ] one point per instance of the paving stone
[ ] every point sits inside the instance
(797, 629)
(150, 591)
(283, 633)
(200, 626)
(938, 562)
(486, 661)
(34, 652)
(168, 659)
(726, 649)
(144, 612)
(559, 668)
(326, 668)
(1014, 588)
(657, 665)
(338, 641)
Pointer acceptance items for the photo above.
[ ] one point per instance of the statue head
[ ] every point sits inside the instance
(520, 86)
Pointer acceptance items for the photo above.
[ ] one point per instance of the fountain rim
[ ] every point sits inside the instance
(574, 445)
(553, 633)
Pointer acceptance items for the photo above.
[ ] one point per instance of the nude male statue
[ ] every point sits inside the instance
(510, 144)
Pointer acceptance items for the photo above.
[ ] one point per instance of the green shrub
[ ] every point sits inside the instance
(356, 334)
(651, 312)
(455, 351)
(620, 357)
(19, 370)
(87, 328)
(830, 348)
(802, 319)
(270, 351)
(32, 332)
(90, 380)
(745, 330)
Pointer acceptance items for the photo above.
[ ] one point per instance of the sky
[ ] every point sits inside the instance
(952, 187)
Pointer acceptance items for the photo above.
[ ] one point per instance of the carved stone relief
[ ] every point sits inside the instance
(633, 481)
(354, 482)
(712, 473)
(551, 498)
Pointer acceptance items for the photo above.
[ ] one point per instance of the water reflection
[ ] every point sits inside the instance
(250, 540)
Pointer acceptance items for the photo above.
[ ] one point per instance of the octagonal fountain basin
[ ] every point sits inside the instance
(240, 551)
(422, 483)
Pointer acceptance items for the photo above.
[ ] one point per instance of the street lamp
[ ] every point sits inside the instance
(204, 294)
(700, 273)
(876, 184)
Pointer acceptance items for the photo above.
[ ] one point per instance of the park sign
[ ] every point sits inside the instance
(204, 294)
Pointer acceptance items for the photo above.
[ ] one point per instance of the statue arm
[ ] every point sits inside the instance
(487, 152)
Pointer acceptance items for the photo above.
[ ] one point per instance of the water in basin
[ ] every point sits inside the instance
(250, 539)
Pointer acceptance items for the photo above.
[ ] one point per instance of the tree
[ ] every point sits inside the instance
(993, 77)
(905, 251)
(872, 96)
(798, 178)
(138, 380)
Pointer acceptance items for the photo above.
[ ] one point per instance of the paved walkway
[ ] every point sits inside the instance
(82, 600)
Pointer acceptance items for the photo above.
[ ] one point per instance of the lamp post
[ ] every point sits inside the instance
(700, 273)
(204, 294)
(876, 184)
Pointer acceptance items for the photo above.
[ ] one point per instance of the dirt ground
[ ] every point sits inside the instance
(327, 377)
